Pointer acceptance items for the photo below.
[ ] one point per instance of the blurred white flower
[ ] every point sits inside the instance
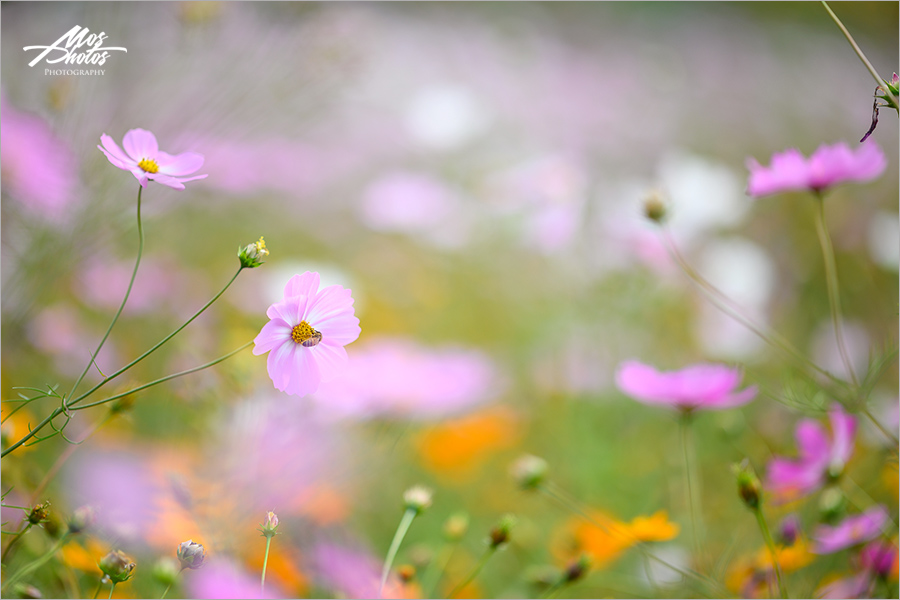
(884, 240)
(444, 117)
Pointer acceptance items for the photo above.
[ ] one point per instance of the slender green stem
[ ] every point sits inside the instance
(33, 566)
(834, 295)
(99, 587)
(13, 541)
(770, 544)
(402, 528)
(478, 567)
(137, 263)
(164, 379)
(262, 581)
(726, 305)
(165, 593)
(860, 53)
(432, 576)
(111, 590)
(551, 591)
(890, 436)
(690, 474)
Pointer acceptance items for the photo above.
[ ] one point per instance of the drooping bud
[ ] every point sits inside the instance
(500, 533)
(456, 526)
(529, 471)
(191, 554)
(749, 487)
(417, 498)
(269, 527)
(117, 566)
(82, 518)
(166, 570)
(40, 513)
(577, 569)
(251, 255)
(655, 207)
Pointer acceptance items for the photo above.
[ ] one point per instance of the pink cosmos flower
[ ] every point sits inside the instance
(851, 531)
(828, 166)
(703, 386)
(820, 458)
(306, 335)
(221, 578)
(878, 557)
(144, 159)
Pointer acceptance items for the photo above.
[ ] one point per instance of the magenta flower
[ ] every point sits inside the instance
(820, 458)
(144, 159)
(828, 166)
(851, 531)
(306, 335)
(703, 386)
(878, 557)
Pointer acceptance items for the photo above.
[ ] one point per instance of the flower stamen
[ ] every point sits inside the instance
(304, 334)
(149, 165)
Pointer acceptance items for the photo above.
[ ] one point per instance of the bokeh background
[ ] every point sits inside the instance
(475, 174)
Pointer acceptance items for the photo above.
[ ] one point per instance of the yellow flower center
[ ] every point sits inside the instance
(149, 165)
(305, 334)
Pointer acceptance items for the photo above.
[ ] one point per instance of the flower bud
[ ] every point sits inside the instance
(577, 569)
(456, 526)
(82, 518)
(191, 554)
(40, 513)
(406, 573)
(529, 471)
(500, 533)
(789, 530)
(268, 528)
(748, 484)
(251, 255)
(417, 498)
(832, 505)
(166, 570)
(117, 566)
(654, 207)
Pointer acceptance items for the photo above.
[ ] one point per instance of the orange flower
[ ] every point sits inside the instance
(84, 558)
(790, 558)
(457, 447)
(603, 544)
(655, 528)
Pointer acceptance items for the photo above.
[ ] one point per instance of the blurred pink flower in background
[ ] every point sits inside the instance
(854, 586)
(828, 166)
(221, 578)
(59, 332)
(878, 557)
(698, 387)
(399, 378)
(352, 573)
(851, 531)
(406, 201)
(143, 159)
(820, 458)
(39, 170)
(306, 335)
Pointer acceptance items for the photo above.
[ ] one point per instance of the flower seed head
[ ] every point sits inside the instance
(417, 498)
(191, 554)
(529, 471)
(117, 566)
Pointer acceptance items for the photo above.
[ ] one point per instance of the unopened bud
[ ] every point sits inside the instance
(789, 530)
(82, 518)
(529, 471)
(191, 554)
(406, 573)
(117, 566)
(500, 533)
(251, 255)
(456, 526)
(749, 487)
(654, 207)
(269, 527)
(40, 513)
(166, 570)
(577, 569)
(417, 498)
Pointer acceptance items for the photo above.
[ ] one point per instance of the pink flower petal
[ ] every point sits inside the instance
(279, 365)
(304, 372)
(285, 311)
(166, 180)
(698, 386)
(331, 301)
(111, 149)
(331, 360)
(302, 285)
(140, 144)
(180, 164)
(812, 442)
(843, 430)
(273, 333)
(340, 330)
(789, 479)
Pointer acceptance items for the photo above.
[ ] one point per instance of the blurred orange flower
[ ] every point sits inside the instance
(457, 447)
(655, 528)
(84, 556)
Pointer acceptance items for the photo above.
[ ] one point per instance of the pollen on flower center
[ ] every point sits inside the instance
(305, 334)
(149, 165)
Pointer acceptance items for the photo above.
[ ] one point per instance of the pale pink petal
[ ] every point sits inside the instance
(851, 531)
(739, 399)
(340, 330)
(305, 376)
(179, 164)
(140, 144)
(140, 175)
(279, 365)
(812, 442)
(329, 302)
(788, 171)
(127, 166)
(171, 182)
(332, 360)
(302, 285)
(286, 311)
(789, 479)
(112, 151)
(843, 431)
(274, 333)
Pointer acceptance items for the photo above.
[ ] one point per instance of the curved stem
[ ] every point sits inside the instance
(13, 541)
(402, 528)
(483, 561)
(770, 544)
(163, 379)
(860, 53)
(831, 280)
(137, 263)
(36, 564)
(262, 583)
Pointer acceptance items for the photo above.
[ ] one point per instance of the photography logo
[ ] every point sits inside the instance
(78, 46)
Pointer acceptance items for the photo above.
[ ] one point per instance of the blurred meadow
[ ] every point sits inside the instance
(476, 175)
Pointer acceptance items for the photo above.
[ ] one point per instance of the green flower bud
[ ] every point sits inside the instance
(251, 255)
(529, 471)
(500, 533)
(117, 566)
(268, 528)
(40, 513)
(749, 487)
